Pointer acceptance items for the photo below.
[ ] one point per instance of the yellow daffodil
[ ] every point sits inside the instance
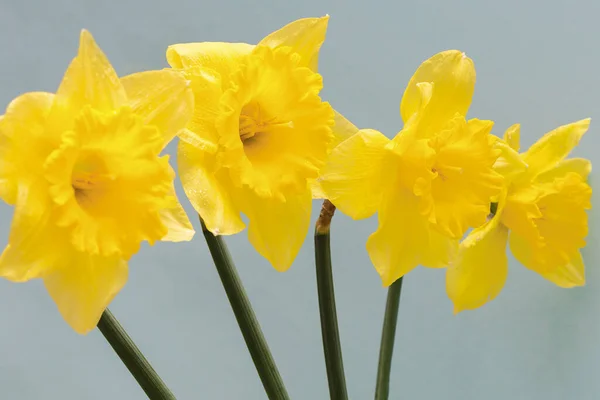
(431, 182)
(259, 135)
(82, 169)
(541, 214)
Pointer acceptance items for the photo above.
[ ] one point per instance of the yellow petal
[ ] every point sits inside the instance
(441, 250)
(554, 146)
(566, 273)
(207, 89)
(84, 288)
(561, 226)
(89, 80)
(342, 130)
(510, 164)
(223, 58)
(316, 190)
(570, 275)
(305, 36)
(452, 76)
(35, 243)
(512, 137)
(277, 229)
(162, 98)
(481, 126)
(580, 166)
(176, 220)
(353, 178)
(478, 273)
(521, 211)
(25, 141)
(564, 220)
(404, 239)
(209, 193)
(8, 178)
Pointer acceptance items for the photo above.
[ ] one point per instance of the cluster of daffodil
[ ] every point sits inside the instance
(84, 171)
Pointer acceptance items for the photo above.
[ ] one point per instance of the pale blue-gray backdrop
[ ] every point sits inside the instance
(537, 63)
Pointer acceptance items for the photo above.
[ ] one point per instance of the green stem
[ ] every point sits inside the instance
(329, 325)
(133, 358)
(388, 335)
(242, 309)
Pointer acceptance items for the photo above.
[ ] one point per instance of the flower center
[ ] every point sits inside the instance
(464, 182)
(254, 121)
(89, 178)
(275, 134)
(108, 182)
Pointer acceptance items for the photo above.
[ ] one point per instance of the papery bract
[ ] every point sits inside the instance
(83, 170)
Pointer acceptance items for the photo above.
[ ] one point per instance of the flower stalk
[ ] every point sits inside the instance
(132, 357)
(244, 314)
(329, 325)
(388, 335)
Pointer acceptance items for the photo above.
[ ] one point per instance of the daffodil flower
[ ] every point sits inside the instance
(541, 214)
(259, 135)
(428, 184)
(83, 170)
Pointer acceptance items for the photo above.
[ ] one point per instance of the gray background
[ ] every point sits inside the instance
(537, 63)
